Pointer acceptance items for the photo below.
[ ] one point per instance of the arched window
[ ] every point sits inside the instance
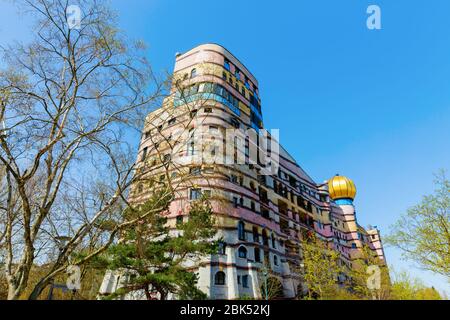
(193, 73)
(241, 230)
(219, 278)
(242, 252)
(273, 241)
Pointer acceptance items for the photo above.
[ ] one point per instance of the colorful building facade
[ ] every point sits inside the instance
(262, 215)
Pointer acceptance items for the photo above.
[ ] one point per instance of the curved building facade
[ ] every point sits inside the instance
(261, 217)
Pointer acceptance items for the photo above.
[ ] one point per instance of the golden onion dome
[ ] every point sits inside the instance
(341, 187)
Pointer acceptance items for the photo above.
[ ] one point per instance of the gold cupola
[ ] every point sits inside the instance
(341, 187)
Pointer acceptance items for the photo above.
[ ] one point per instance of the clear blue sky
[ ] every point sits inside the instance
(371, 105)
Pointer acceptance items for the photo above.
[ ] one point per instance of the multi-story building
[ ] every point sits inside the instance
(262, 214)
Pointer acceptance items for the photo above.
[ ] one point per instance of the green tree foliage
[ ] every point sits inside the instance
(271, 287)
(320, 269)
(159, 259)
(369, 276)
(423, 234)
(404, 287)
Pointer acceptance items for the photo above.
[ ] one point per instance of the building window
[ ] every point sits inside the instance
(172, 121)
(257, 255)
(140, 188)
(166, 158)
(275, 260)
(237, 74)
(265, 238)
(191, 148)
(224, 75)
(235, 202)
(245, 281)
(195, 194)
(208, 110)
(241, 230)
(213, 129)
(235, 123)
(273, 242)
(227, 64)
(252, 206)
(207, 194)
(179, 220)
(353, 245)
(222, 248)
(242, 252)
(195, 171)
(193, 73)
(208, 169)
(144, 153)
(255, 235)
(219, 278)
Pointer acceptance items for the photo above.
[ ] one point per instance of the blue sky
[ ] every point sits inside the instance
(371, 105)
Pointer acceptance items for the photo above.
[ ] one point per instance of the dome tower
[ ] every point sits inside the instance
(342, 190)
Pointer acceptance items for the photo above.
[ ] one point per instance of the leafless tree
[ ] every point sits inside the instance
(67, 100)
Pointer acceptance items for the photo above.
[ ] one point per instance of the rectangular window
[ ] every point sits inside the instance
(222, 248)
(237, 73)
(235, 202)
(227, 64)
(208, 110)
(265, 213)
(214, 129)
(207, 193)
(208, 169)
(257, 255)
(195, 194)
(235, 123)
(166, 158)
(195, 171)
(144, 153)
(245, 281)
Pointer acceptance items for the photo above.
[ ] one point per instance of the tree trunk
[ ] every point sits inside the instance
(38, 288)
